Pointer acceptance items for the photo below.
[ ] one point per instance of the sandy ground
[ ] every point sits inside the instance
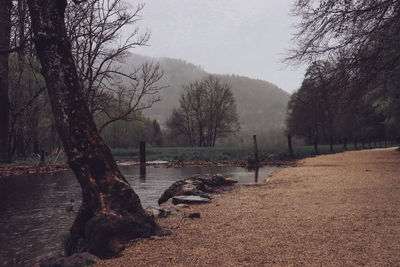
(334, 210)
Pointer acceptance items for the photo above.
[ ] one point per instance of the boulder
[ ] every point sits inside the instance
(196, 185)
(189, 200)
(172, 209)
(191, 189)
(231, 180)
(182, 206)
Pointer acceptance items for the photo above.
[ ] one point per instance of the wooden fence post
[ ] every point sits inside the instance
(42, 157)
(142, 154)
(289, 140)
(255, 149)
(256, 175)
(345, 143)
(316, 144)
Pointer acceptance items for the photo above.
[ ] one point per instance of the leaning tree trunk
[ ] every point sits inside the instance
(5, 25)
(111, 212)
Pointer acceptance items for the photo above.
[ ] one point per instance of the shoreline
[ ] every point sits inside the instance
(338, 209)
(15, 170)
(10, 171)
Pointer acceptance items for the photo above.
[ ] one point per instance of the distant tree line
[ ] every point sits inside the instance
(351, 90)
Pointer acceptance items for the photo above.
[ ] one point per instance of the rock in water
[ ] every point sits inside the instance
(189, 200)
(157, 212)
(229, 179)
(196, 185)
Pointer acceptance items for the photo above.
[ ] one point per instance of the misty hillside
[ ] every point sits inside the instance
(261, 105)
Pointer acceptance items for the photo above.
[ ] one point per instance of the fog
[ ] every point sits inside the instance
(247, 38)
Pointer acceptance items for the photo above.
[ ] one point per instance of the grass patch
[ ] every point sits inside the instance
(34, 161)
(185, 154)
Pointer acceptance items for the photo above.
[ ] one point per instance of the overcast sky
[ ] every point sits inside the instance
(248, 37)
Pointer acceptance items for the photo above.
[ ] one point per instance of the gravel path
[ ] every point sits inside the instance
(335, 210)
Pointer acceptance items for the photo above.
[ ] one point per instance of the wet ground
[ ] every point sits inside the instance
(36, 210)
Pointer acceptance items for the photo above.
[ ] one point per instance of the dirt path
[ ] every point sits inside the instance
(336, 210)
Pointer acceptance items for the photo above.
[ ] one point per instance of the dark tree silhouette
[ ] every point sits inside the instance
(357, 33)
(361, 40)
(99, 50)
(5, 27)
(207, 112)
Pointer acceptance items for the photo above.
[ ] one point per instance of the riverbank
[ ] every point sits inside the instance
(51, 168)
(30, 169)
(340, 209)
(179, 157)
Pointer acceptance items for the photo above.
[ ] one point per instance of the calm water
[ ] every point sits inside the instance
(34, 214)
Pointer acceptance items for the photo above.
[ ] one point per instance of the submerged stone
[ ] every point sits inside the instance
(189, 200)
(157, 212)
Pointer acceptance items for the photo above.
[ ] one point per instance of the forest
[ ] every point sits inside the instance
(350, 91)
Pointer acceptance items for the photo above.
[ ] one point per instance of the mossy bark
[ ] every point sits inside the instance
(111, 212)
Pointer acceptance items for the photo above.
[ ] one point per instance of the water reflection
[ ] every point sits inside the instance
(143, 173)
(35, 209)
(256, 175)
(256, 171)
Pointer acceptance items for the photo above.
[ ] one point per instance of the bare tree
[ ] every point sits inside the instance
(182, 122)
(111, 212)
(207, 112)
(125, 102)
(114, 91)
(5, 28)
(221, 113)
(99, 50)
(362, 40)
(357, 33)
(22, 94)
(328, 27)
(312, 109)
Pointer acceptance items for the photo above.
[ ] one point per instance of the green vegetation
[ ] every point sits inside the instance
(209, 154)
(186, 154)
(35, 160)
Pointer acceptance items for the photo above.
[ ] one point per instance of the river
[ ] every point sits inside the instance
(35, 209)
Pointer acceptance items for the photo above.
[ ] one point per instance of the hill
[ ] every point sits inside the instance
(261, 105)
